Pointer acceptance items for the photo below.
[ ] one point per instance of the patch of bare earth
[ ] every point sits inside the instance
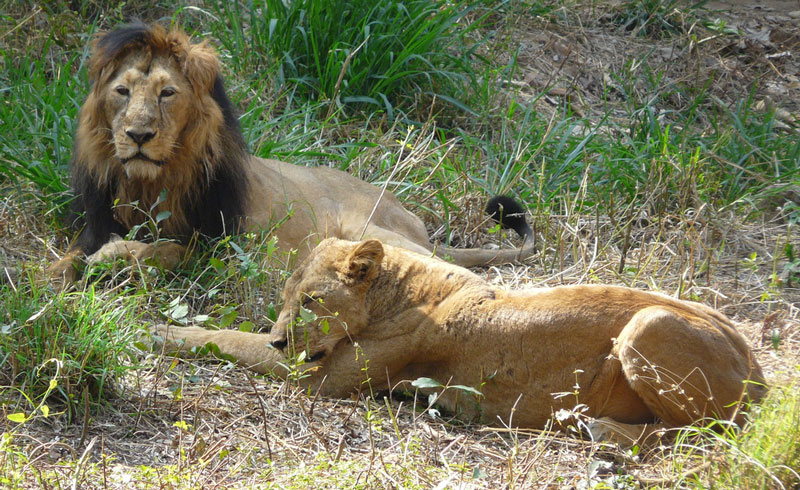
(583, 55)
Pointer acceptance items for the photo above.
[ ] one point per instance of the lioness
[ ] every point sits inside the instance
(158, 140)
(381, 313)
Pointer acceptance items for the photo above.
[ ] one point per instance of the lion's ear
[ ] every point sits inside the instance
(201, 67)
(364, 262)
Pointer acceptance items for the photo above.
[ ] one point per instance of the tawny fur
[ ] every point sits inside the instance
(157, 121)
(392, 316)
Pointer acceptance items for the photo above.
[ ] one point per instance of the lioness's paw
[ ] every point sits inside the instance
(606, 429)
(164, 335)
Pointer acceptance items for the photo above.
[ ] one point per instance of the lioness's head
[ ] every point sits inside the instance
(324, 301)
(151, 103)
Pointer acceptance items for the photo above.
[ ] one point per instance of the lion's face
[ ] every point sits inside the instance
(148, 105)
(151, 115)
(324, 301)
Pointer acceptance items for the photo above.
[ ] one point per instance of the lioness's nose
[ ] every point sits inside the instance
(140, 137)
(278, 343)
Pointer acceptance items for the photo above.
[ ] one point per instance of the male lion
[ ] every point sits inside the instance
(370, 311)
(158, 137)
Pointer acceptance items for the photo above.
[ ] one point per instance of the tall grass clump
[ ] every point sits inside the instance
(765, 455)
(64, 345)
(41, 97)
(372, 54)
(657, 18)
(768, 455)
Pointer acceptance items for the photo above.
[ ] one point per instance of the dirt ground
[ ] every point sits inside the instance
(577, 61)
(244, 431)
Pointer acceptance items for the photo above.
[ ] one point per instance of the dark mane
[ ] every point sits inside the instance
(226, 193)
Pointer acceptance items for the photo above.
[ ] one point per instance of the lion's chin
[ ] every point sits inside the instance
(142, 170)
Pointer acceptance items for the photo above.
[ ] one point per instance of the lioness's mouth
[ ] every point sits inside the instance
(142, 156)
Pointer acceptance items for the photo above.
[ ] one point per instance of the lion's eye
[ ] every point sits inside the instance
(123, 91)
(167, 92)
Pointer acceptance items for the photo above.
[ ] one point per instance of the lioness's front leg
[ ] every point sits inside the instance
(251, 350)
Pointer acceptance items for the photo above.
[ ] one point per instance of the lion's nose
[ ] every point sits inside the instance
(140, 137)
(278, 343)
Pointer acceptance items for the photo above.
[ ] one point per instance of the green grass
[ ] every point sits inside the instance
(766, 456)
(67, 348)
(37, 128)
(372, 55)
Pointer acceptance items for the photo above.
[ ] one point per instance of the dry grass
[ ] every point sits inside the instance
(205, 424)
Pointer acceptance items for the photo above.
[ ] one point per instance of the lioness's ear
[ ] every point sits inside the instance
(364, 262)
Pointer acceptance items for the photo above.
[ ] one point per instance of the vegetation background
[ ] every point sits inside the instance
(655, 144)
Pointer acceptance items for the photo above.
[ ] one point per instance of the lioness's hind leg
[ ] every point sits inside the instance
(684, 367)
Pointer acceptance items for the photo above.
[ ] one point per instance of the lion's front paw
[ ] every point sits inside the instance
(63, 271)
(179, 339)
(127, 250)
(165, 254)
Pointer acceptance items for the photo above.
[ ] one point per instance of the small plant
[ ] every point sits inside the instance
(792, 268)
(433, 396)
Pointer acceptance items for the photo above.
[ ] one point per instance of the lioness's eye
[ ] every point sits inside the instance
(123, 90)
(308, 298)
(167, 92)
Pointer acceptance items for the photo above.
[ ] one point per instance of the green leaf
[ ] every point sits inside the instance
(246, 326)
(468, 389)
(228, 318)
(271, 313)
(179, 312)
(426, 383)
(218, 265)
(18, 417)
(307, 315)
(324, 326)
(162, 196)
(162, 216)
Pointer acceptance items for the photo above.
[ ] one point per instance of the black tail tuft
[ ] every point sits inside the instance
(510, 214)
